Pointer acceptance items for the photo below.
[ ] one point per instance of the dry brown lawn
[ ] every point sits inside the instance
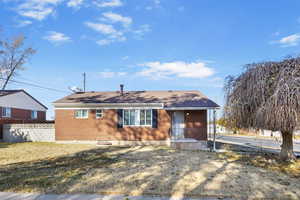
(57, 168)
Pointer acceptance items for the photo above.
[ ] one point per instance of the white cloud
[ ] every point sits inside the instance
(102, 28)
(157, 2)
(176, 69)
(37, 9)
(75, 3)
(108, 3)
(24, 23)
(114, 17)
(56, 37)
(141, 31)
(112, 32)
(112, 74)
(104, 42)
(109, 31)
(291, 40)
(37, 14)
(125, 57)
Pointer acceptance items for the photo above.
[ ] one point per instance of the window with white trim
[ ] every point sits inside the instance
(137, 117)
(33, 114)
(81, 114)
(6, 112)
(99, 114)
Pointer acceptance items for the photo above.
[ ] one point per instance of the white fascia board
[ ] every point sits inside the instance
(76, 106)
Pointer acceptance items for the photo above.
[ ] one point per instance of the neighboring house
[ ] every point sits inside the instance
(17, 106)
(152, 116)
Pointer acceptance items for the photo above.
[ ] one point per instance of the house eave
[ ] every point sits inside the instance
(107, 105)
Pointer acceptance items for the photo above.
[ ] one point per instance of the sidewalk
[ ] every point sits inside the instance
(34, 196)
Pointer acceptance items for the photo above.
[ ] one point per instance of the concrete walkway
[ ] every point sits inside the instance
(34, 196)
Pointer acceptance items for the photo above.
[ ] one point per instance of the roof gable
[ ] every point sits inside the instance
(20, 99)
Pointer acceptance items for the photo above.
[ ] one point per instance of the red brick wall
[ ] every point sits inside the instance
(196, 124)
(105, 128)
(21, 114)
(41, 115)
(67, 127)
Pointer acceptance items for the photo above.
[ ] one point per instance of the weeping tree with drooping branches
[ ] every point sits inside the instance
(266, 96)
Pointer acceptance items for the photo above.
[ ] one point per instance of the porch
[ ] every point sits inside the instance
(189, 144)
(190, 129)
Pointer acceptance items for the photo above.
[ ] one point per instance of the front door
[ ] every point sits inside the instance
(178, 125)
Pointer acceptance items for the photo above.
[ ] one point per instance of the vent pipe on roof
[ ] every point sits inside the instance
(122, 89)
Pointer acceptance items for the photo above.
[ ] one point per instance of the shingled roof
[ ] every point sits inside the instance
(7, 92)
(169, 98)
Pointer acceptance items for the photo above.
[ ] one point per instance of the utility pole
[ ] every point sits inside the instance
(84, 79)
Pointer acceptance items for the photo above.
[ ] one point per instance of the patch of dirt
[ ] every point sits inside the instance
(149, 171)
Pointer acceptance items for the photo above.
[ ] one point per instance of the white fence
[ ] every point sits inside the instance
(28, 132)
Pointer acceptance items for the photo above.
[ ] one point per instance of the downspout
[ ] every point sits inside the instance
(214, 121)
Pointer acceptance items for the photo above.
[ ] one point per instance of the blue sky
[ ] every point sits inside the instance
(147, 44)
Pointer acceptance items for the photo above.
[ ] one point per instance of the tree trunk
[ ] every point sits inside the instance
(287, 152)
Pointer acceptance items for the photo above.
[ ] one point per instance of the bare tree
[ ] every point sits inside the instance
(267, 96)
(13, 55)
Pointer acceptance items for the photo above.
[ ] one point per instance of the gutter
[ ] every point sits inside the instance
(107, 105)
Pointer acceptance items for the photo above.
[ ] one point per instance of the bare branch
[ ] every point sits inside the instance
(12, 58)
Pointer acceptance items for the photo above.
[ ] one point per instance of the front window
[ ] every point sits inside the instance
(33, 114)
(6, 112)
(81, 114)
(99, 114)
(137, 117)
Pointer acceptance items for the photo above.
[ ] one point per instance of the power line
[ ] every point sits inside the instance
(29, 80)
(35, 85)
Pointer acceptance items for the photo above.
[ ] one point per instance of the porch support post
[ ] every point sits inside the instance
(210, 123)
(208, 126)
(215, 130)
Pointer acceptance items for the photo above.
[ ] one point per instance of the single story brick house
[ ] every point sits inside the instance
(122, 117)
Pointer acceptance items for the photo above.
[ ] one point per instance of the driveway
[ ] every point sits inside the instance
(254, 141)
